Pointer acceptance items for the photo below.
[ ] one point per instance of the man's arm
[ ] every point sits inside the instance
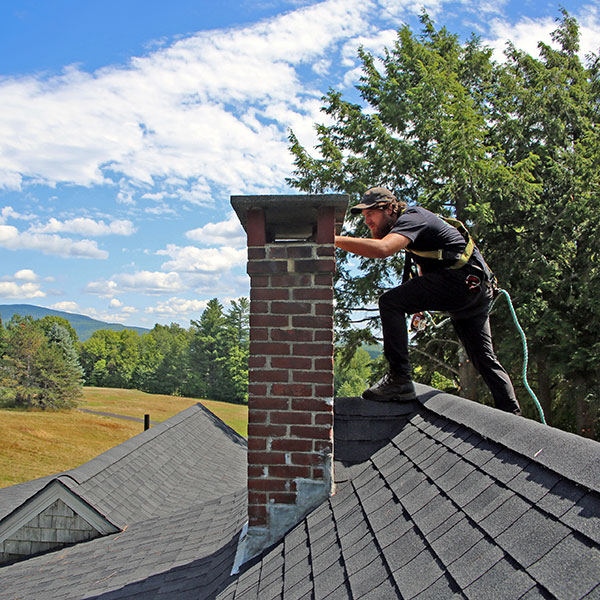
(373, 248)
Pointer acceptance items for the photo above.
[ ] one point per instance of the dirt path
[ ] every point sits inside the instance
(106, 414)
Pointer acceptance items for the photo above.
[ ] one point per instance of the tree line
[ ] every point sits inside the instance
(510, 148)
(43, 364)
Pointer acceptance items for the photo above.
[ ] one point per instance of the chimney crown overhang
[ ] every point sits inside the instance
(291, 217)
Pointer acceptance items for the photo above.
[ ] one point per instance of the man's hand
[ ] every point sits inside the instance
(373, 248)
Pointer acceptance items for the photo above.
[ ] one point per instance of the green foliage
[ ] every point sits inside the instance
(513, 150)
(208, 360)
(352, 375)
(38, 370)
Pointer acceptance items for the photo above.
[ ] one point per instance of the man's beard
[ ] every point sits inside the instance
(383, 229)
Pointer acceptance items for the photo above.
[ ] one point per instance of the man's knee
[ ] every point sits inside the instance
(391, 300)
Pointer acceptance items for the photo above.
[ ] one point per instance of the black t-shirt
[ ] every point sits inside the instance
(426, 231)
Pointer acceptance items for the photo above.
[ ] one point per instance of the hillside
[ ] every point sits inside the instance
(84, 326)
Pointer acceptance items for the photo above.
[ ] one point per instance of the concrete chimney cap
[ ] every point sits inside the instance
(292, 217)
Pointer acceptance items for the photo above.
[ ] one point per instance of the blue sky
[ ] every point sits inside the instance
(125, 126)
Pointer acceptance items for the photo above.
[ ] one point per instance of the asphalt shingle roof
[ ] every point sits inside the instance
(439, 498)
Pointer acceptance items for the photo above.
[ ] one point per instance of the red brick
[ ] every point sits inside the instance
(282, 497)
(256, 471)
(312, 405)
(255, 227)
(257, 416)
(256, 253)
(269, 348)
(292, 280)
(269, 375)
(291, 362)
(256, 362)
(269, 294)
(277, 251)
(326, 250)
(313, 322)
(310, 432)
(266, 267)
(268, 403)
(324, 335)
(257, 430)
(257, 389)
(291, 335)
(322, 265)
(304, 251)
(269, 320)
(326, 225)
(324, 309)
(257, 498)
(271, 485)
(324, 391)
(314, 349)
(324, 419)
(307, 459)
(289, 471)
(291, 418)
(323, 279)
(259, 281)
(323, 364)
(259, 308)
(288, 389)
(291, 308)
(256, 457)
(292, 445)
(257, 443)
(313, 376)
(313, 294)
(259, 334)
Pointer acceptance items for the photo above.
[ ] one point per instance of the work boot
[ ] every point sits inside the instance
(391, 388)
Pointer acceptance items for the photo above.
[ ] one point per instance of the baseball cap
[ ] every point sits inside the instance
(373, 198)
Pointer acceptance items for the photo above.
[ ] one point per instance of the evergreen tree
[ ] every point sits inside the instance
(36, 371)
(512, 150)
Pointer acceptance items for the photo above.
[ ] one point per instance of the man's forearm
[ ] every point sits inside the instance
(372, 248)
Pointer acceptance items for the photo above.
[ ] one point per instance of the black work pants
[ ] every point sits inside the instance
(446, 290)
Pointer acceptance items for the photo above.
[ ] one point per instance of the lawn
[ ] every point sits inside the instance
(39, 443)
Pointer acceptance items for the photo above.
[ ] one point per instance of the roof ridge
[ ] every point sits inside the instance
(113, 455)
(567, 454)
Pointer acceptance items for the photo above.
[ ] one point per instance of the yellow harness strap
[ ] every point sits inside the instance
(463, 259)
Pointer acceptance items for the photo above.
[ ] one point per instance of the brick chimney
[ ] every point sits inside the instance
(291, 264)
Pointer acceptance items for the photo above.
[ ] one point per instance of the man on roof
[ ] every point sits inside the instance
(453, 277)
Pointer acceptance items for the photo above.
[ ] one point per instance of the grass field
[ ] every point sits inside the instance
(34, 444)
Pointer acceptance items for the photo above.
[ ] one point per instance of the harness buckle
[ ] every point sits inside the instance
(473, 283)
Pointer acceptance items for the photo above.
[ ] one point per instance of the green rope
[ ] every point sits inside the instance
(525, 353)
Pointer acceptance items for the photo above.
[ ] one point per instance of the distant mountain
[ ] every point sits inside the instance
(84, 326)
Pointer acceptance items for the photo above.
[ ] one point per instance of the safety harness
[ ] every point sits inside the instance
(460, 259)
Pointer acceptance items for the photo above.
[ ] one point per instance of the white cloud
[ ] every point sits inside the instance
(176, 307)
(8, 212)
(102, 288)
(114, 303)
(86, 226)
(67, 306)
(12, 239)
(203, 260)
(200, 106)
(140, 282)
(528, 32)
(23, 284)
(224, 233)
(26, 275)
